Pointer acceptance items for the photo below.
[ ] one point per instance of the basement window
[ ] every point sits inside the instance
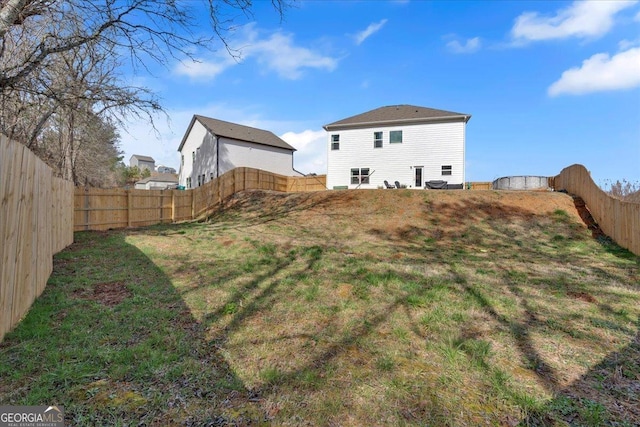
(446, 170)
(359, 176)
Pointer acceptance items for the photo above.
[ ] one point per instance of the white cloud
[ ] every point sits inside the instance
(627, 44)
(278, 52)
(371, 29)
(470, 46)
(601, 73)
(311, 156)
(583, 19)
(203, 69)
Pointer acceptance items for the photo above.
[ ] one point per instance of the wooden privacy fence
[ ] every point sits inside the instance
(36, 221)
(618, 219)
(97, 209)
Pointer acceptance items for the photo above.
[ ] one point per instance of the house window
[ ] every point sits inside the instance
(193, 156)
(377, 140)
(395, 137)
(188, 182)
(182, 159)
(199, 176)
(335, 142)
(203, 178)
(446, 170)
(360, 176)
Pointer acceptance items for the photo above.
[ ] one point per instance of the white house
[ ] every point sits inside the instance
(142, 162)
(404, 143)
(211, 147)
(158, 181)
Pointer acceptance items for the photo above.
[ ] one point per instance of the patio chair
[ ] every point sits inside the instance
(387, 185)
(397, 184)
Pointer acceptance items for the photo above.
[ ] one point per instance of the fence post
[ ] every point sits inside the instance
(193, 203)
(173, 206)
(129, 197)
(86, 208)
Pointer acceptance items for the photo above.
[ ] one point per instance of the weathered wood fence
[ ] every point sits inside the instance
(36, 221)
(618, 219)
(97, 209)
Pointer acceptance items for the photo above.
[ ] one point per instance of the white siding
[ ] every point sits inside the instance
(233, 154)
(154, 185)
(429, 146)
(195, 139)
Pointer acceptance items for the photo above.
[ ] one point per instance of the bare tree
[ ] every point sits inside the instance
(65, 111)
(146, 30)
(60, 90)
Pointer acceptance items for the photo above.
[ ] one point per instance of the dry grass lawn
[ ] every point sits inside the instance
(377, 307)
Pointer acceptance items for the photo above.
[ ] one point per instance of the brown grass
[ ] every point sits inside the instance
(383, 308)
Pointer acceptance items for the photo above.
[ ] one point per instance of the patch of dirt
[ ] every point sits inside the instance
(583, 296)
(402, 212)
(108, 294)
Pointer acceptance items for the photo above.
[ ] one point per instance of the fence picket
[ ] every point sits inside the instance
(618, 219)
(35, 222)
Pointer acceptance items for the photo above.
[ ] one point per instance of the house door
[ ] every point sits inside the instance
(418, 170)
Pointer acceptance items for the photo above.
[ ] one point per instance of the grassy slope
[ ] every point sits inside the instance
(340, 308)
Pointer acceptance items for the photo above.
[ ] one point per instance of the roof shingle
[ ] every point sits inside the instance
(397, 114)
(239, 132)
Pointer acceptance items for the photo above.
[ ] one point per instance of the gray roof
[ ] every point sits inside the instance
(396, 115)
(143, 158)
(236, 131)
(160, 177)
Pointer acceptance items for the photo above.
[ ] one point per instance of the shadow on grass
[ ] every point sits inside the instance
(609, 393)
(112, 341)
(596, 232)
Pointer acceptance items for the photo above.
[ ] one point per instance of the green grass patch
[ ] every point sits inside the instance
(294, 313)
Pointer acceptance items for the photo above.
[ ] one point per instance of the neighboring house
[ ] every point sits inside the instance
(142, 162)
(211, 147)
(404, 143)
(158, 181)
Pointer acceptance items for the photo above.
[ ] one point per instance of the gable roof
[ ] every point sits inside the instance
(236, 131)
(143, 158)
(397, 115)
(160, 177)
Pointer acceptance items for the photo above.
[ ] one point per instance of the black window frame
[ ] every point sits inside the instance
(447, 170)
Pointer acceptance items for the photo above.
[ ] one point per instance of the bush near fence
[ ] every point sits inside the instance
(618, 219)
(98, 209)
(36, 221)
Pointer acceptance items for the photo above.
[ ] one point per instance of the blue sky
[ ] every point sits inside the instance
(548, 83)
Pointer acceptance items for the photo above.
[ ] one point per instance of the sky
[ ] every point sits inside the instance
(548, 83)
